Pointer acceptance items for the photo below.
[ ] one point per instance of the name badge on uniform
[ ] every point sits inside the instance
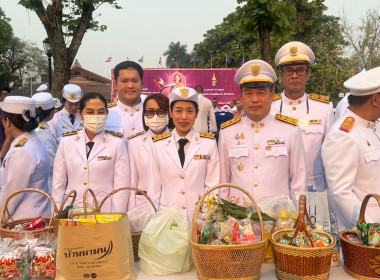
(276, 142)
(202, 157)
(315, 122)
(104, 158)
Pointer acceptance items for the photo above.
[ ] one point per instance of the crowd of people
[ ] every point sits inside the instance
(271, 144)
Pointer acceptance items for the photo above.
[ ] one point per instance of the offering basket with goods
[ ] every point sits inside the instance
(16, 229)
(61, 214)
(361, 259)
(302, 253)
(135, 235)
(233, 262)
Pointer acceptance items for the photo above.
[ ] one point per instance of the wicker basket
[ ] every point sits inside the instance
(360, 261)
(60, 215)
(233, 262)
(135, 235)
(296, 263)
(6, 224)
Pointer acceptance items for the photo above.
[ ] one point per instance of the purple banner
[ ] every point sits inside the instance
(217, 83)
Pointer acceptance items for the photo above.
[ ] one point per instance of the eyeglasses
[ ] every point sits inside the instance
(150, 113)
(299, 71)
(71, 104)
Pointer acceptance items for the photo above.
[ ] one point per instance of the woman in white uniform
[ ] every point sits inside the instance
(26, 164)
(92, 158)
(45, 105)
(156, 121)
(184, 163)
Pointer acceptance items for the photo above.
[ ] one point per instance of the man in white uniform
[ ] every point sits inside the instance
(261, 152)
(206, 113)
(68, 118)
(125, 116)
(351, 151)
(314, 112)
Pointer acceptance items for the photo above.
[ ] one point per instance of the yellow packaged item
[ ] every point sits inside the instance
(107, 218)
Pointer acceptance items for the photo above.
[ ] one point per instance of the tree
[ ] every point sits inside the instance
(364, 40)
(66, 22)
(6, 31)
(177, 56)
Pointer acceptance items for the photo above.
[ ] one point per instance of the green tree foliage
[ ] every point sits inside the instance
(6, 31)
(66, 22)
(177, 56)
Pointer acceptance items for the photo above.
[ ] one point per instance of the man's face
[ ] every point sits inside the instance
(257, 102)
(294, 78)
(71, 107)
(4, 94)
(232, 103)
(129, 86)
(214, 103)
(239, 105)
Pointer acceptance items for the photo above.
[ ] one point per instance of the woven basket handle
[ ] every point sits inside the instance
(74, 193)
(364, 206)
(85, 200)
(200, 202)
(300, 223)
(123, 189)
(5, 207)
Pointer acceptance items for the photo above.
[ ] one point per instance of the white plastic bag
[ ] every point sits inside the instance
(139, 216)
(165, 244)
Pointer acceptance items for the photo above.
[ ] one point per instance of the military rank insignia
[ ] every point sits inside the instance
(104, 158)
(320, 98)
(347, 124)
(110, 105)
(315, 122)
(230, 122)
(21, 142)
(161, 136)
(207, 135)
(117, 134)
(202, 156)
(135, 135)
(41, 125)
(287, 119)
(276, 142)
(74, 132)
(277, 97)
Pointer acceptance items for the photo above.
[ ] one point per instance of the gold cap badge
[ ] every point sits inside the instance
(185, 92)
(72, 95)
(293, 50)
(255, 69)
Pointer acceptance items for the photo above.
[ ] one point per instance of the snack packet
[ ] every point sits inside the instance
(10, 260)
(43, 258)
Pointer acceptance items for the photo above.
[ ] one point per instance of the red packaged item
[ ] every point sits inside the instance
(36, 224)
(43, 263)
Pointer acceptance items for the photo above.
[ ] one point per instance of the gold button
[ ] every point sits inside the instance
(125, 109)
(183, 207)
(182, 192)
(290, 102)
(85, 183)
(132, 128)
(257, 130)
(261, 124)
(299, 101)
(252, 125)
(131, 114)
(256, 166)
(256, 147)
(85, 168)
(294, 108)
(182, 177)
(368, 125)
(255, 184)
(137, 109)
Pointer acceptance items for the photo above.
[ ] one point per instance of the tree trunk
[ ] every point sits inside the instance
(265, 44)
(300, 35)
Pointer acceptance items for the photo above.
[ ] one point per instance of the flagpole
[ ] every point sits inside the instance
(211, 61)
(194, 62)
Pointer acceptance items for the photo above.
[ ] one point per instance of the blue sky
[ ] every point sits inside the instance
(146, 27)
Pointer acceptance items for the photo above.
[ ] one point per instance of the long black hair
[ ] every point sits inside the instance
(19, 121)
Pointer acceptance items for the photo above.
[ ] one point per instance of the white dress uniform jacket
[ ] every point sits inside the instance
(171, 184)
(51, 142)
(341, 106)
(206, 113)
(106, 169)
(26, 165)
(61, 123)
(266, 158)
(314, 126)
(352, 165)
(124, 119)
(138, 150)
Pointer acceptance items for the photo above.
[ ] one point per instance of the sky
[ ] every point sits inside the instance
(146, 27)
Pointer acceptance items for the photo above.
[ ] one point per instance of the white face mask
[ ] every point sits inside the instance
(156, 123)
(94, 123)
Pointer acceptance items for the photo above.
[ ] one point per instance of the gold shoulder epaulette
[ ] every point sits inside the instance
(117, 134)
(41, 125)
(230, 122)
(320, 98)
(347, 124)
(135, 135)
(287, 119)
(161, 136)
(277, 97)
(21, 142)
(207, 135)
(110, 105)
(70, 133)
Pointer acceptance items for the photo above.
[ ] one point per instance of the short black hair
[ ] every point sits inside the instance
(19, 122)
(354, 100)
(257, 85)
(198, 88)
(89, 96)
(7, 89)
(128, 64)
(43, 114)
(174, 102)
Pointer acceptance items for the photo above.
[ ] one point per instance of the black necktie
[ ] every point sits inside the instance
(90, 145)
(181, 151)
(72, 118)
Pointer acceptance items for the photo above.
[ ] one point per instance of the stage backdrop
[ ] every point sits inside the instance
(217, 82)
